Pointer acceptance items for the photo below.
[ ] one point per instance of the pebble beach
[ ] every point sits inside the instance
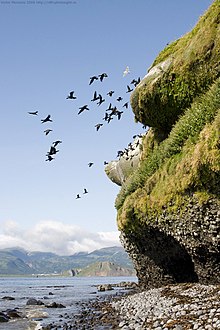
(174, 307)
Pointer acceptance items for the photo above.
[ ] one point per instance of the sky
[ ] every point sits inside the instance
(49, 48)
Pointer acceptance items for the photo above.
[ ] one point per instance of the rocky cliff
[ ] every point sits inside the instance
(169, 202)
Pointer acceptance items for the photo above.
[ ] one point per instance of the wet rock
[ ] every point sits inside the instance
(105, 287)
(8, 298)
(33, 301)
(3, 317)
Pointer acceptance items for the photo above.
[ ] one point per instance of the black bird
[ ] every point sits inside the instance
(47, 131)
(126, 105)
(106, 117)
(109, 107)
(92, 79)
(77, 196)
(129, 89)
(85, 191)
(119, 99)
(98, 126)
(102, 76)
(110, 93)
(71, 96)
(85, 107)
(55, 143)
(119, 113)
(105, 163)
(90, 164)
(52, 151)
(95, 97)
(135, 82)
(101, 100)
(49, 158)
(35, 113)
(46, 119)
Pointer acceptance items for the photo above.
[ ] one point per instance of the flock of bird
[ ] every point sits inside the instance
(110, 112)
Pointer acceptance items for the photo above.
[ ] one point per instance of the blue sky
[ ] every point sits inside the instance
(48, 50)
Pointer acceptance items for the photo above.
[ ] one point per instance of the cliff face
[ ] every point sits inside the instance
(169, 203)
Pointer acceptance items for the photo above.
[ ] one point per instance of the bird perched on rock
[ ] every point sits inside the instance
(46, 119)
(98, 126)
(92, 79)
(90, 164)
(85, 191)
(102, 76)
(71, 96)
(85, 107)
(35, 113)
(47, 131)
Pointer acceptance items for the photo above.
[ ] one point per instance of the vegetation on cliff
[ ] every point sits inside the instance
(192, 65)
(181, 152)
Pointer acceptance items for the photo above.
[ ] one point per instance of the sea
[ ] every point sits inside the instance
(68, 291)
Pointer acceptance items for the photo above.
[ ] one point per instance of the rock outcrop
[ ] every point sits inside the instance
(169, 202)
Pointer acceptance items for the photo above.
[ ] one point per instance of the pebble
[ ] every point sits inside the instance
(173, 307)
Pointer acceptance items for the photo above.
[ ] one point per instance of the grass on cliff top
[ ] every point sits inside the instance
(194, 67)
(186, 130)
(187, 49)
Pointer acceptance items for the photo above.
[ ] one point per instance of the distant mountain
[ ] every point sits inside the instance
(17, 261)
(106, 268)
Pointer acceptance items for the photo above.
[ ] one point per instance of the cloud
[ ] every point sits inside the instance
(57, 237)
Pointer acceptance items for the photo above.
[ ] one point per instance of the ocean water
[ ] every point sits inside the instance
(67, 291)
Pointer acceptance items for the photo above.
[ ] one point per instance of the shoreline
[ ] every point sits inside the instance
(172, 307)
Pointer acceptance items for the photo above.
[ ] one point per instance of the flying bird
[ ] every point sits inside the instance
(95, 97)
(110, 93)
(49, 158)
(46, 119)
(126, 71)
(85, 107)
(77, 196)
(136, 82)
(129, 89)
(119, 113)
(47, 131)
(105, 163)
(98, 126)
(55, 143)
(35, 113)
(102, 76)
(119, 99)
(92, 79)
(85, 191)
(90, 164)
(52, 151)
(126, 105)
(71, 96)
(101, 100)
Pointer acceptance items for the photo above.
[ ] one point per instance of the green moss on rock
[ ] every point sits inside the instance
(183, 71)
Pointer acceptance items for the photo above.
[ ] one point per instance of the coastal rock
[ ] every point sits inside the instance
(168, 208)
(119, 170)
(33, 301)
(105, 287)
